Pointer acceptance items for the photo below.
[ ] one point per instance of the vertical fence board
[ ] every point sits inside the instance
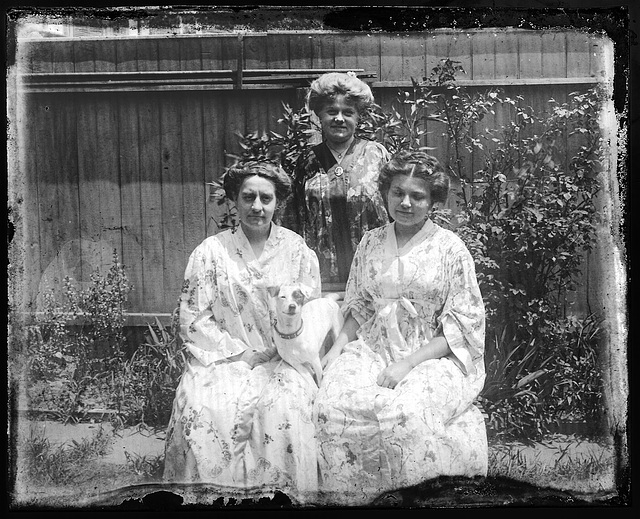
(46, 182)
(107, 181)
(62, 57)
(151, 204)
(368, 54)
(84, 56)
(277, 51)
(130, 196)
(324, 52)
(105, 56)
(413, 56)
(193, 179)
(40, 57)
(190, 54)
(578, 46)
(211, 49)
(173, 210)
(147, 55)
(300, 50)
(214, 128)
(530, 55)
(255, 51)
(126, 55)
(168, 55)
(390, 57)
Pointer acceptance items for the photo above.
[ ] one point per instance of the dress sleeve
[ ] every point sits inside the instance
(463, 317)
(198, 327)
(357, 299)
(309, 274)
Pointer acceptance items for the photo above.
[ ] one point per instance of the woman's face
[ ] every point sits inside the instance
(256, 204)
(338, 118)
(409, 202)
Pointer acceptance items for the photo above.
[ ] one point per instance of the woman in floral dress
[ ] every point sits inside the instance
(242, 418)
(396, 403)
(336, 197)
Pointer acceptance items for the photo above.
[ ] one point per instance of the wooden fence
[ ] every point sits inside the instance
(118, 137)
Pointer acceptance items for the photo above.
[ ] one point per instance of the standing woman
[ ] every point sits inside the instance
(242, 417)
(335, 193)
(396, 402)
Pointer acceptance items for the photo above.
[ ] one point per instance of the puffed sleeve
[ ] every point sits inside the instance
(463, 317)
(199, 330)
(357, 299)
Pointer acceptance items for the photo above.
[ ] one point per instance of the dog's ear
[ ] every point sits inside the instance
(273, 290)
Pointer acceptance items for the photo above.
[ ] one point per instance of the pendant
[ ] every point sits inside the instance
(338, 171)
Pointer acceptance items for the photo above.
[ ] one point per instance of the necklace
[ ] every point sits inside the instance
(290, 335)
(339, 155)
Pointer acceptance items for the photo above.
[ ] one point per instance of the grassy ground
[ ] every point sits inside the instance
(80, 465)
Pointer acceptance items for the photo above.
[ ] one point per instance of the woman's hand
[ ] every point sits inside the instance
(255, 357)
(392, 375)
(331, 355)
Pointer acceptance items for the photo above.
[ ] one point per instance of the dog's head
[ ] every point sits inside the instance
(289, 299)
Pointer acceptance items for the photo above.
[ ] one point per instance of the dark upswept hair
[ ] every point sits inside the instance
(236, 175)
(325, 88)
(416, 164)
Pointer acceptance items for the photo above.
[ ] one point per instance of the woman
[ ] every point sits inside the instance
(396, 403)
(242, 417)
(336, 197)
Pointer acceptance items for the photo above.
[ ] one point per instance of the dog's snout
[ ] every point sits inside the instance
(292, 306)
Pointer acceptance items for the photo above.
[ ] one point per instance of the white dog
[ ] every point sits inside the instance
(302, 326)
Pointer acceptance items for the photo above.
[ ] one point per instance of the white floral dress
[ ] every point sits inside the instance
(374, 439)
(233, 426)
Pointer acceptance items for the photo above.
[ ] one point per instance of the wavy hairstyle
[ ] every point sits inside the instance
(416, 164)
(325, 88)
(236, 175)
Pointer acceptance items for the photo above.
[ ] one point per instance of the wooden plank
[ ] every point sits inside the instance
(168, 55)
(147, 56)
(151, 204)
(46, 186)
(84, 56)
(62, 57)
(530, 55)
(130, 195)
(105, 55)
(214, 129)
(193, 188)
(89, 189)
(211, 49)
(436, 49)
(460, 51)
(554, 54)
(301, 49)
(277, 49)
(106, 177)
(126, 55)
(255, 51)
(578, 50)
(506, 55)
(413, 56)
(324, 51)
(390, 57)
(39, 56)
(173, 204)
(190, 54)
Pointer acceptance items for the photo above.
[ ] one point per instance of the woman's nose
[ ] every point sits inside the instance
(257, 205)
(406, 201)
(339, 117)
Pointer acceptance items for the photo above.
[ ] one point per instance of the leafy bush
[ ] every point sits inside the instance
(79, 361)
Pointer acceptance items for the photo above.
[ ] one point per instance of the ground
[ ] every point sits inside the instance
(129, 468)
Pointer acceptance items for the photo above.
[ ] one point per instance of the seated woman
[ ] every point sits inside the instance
(396, 403)
(241, 416)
